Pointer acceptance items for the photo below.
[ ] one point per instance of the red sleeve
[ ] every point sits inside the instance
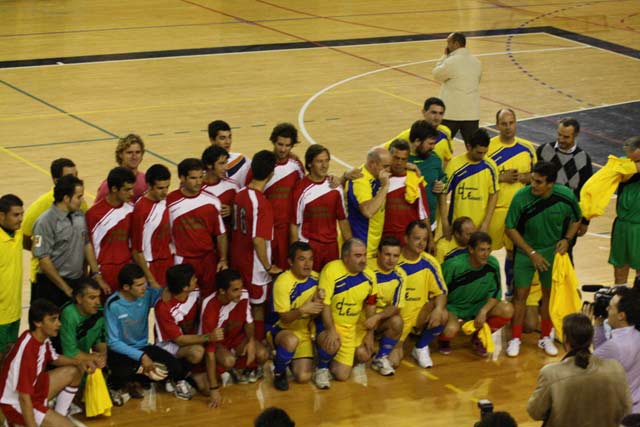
(209, 323)
(28, 370)
(137, 227)
(168, 328)
(264, 222)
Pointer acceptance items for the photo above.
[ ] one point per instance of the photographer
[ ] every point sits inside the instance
(624, 345)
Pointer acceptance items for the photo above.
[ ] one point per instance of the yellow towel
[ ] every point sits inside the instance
(564, 292)
(484, 335)
(597, 191)
(412, 191)
(96, 395)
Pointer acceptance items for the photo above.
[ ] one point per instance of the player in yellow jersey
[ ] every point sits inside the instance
(425, 296)
(389, 302)
(462, 228)
(473, 184)
(349, 288)
(296, 300)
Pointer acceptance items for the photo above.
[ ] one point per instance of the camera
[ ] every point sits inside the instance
(603, 295)
(486, 407)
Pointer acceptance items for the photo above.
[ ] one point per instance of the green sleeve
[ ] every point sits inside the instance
(513, 214)
(496, 265)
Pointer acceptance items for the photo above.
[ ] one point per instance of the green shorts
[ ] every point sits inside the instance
(523, 269)
(464, 313)
(8, 335)
(625, 244)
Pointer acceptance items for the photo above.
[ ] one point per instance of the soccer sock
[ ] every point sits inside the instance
(516, 331)
(497, 322)
(65, 397)
(545, 328)
(428, 335)
(324, 358)
(259, 328)
(508, 272)
(282, 360)
(386, 345)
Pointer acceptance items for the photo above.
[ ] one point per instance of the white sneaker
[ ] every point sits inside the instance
(513, 349)
(169, 387)
(321, 379)
(546, 343)
(382, 366)
(360, 374)
(182, 390)
(422, 356)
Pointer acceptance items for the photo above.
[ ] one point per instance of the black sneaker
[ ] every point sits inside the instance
(280, 381)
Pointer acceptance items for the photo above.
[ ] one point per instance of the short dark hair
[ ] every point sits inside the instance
(284, 130)
(433, 101)
(188, 165)
(399, 145)
(459, 222)
(478, 237)
(312, 152)
(414, 224)
(263, 164)
(83, 285)
(497, 419)
(631, 420)
(119, 176)
(422, 130)
(157, 173)
(459, 38)
(58, 165)
(225, 277)
(128, 274)
(66, 186)
(389, 241)
(578, 333)
(216, 126)
(480, 138)
(502, 110)
(570, 121)
(546, 169)
(298, 246)
(39, 309)
(273, 417)
(8, 201)
(178, 277)
(212, 153)
(629, 304)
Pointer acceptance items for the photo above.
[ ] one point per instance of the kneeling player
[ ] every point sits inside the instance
(474, 291)
(296, 300)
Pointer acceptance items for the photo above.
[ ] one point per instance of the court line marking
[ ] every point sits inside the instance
(422, 371)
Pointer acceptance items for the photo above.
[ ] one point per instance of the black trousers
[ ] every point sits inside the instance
(46, 289)
(123, 369)
(467, 127)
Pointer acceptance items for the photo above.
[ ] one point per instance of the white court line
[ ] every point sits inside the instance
(595, 47)
(309, 101)
(578, 110)
(598, 235)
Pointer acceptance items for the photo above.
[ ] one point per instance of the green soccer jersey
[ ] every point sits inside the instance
(628, 203)
(431, 170)
(542, 221)
(469, 287)
(80, 333)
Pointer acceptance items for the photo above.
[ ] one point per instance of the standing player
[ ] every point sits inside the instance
(317, 207)
(238, 165)
(109, 224)
(542, 219)
(197, 228)
(446, 249)
(216, 182)
(252, 234)
(425, 296)
(349, 288)
(151, 229)
(279, 188)
(129, 154)
(296, 300)
(473, 184)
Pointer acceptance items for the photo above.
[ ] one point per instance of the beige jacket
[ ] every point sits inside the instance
(459, 72)
(594, 397)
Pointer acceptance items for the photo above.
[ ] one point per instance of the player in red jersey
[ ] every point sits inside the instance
(109, 224)
(406, 197)
(252, 234)
(238, 165)
(25, 383)
(317, 207)
(227, 315)
(150, 228)
(216, 182)
(129, 154)
(196, 226)
(280, 187)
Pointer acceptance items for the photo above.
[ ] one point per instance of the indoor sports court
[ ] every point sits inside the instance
(77, 75)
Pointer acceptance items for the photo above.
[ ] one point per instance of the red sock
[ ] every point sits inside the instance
(545, 328)
(259, 328)
(497, 322)
(516, 331)
(444, 339)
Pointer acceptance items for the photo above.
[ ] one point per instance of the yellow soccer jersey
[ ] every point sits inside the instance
(390, 286)
(520, 155)
(470, 184)
(446, 249)
(11, 276)
(443, 147)
(424, 280)
(369, 230)
(346, 293)
(290, 293)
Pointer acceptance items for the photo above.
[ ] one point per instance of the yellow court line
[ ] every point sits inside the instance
(422, 371)
(34, 166)
(459, 391)
(402, 98)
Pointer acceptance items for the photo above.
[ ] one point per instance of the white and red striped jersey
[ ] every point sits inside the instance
(316, 208)
(398, 211)
(238, 166)
(225, 190)
(231, 317)
(110, 228)
(175, 318)
(150, 229)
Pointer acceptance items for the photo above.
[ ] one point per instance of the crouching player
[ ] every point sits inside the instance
(296, 300)
(474, 291)
(350, 287)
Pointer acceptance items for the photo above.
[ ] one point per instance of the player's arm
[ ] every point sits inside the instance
(311, 307)
(481, 317)
(90, 257)
(26, 406)
(563, 245)
(250, 348)
(491, 207)
(222, 243)
(443, 207)
(389, 311)
(441, 71)
(215, 398)
(138, 258)
(538, 261)
(47, 267)
(373, 205)
(345, 229)
(293, 233)
(260, 246)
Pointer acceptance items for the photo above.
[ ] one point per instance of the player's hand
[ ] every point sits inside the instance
(274, 270)
(524, 178)
(431, 247)
(510, 176)
(333, 339)
(312, 307)
(582, 230)
(437, 187)
(372, 322)
(103, 285)
(352, 174)
(215, 399)
(484, 227)
(147, 364)
(480, 320)
(100, 360)
(384, 176)
(319, 295)
(222, 265)
(539, 262)
(225, 211)
(562, 246)
(335, 181)
(216, 335)
(412, 167)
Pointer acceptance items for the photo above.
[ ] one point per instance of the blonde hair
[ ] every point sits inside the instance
(125, 143)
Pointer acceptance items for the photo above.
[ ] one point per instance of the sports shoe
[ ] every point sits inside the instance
(280, 381)
(238, 377)
(422, 356)
(169, 387)
(135, 390)
(253, 375)
(444, 347)
(383, 366)
(321, 379)
(75, 409)
(513, 348)
(182, 391)
(546, 343)
(360, 374)
(116, 397)
(478, 346)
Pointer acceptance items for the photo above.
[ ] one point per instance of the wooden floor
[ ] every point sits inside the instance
(281, 62)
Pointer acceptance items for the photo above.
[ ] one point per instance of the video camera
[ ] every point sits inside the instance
(604, 295)
(486, 407)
